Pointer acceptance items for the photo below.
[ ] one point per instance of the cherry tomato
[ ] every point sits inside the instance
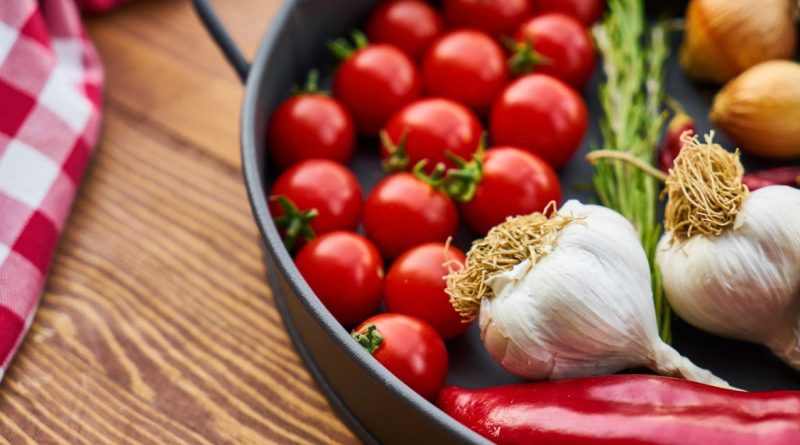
(515, 182)
(411, 25)
(585, 11)
(402, 212)
(409, 348)
(374, 82)
(467, 66)
(309, 126)
(345, 271)
(563, 44)
(327, 188)
(427, 129)
(415, 286)
(497, 17)
(541, 114)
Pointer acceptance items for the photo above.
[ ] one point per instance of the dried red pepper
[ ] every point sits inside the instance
(773, 176)
(625, 409)
(672, 144)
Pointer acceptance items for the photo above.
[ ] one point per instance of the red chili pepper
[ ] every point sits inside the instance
(672, 144)
(625, 409)
(774, 176)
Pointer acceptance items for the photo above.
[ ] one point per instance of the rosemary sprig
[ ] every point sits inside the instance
(632, 97)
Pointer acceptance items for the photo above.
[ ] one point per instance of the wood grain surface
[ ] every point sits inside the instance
(157, 325)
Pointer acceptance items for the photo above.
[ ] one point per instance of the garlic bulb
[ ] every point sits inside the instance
(760, 109)
(566, 296)
(725, 37)
(730, 259)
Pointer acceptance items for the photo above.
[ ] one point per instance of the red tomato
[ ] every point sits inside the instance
(514, 182)
(415, 286)
(585, 11)
(345, 270)
(309, 126)
(409, 348)
(564, 44)
(466, 66)
(374, 82)
(432, 127)
(541, 114)
(402, 212)
(321, 185)
(410, 25)
(497, 17)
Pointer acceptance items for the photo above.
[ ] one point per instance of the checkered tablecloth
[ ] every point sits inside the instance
(50, 100)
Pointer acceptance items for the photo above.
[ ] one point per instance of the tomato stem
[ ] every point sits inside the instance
(524, 57)
(458, 183)
(311, 86)
(294, 221)
(369, 337)
(462, 182)
(435, 178)
(342, 49)
(397, 160)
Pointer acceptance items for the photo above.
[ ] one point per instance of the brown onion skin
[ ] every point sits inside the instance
(725, 37)
(760, 110)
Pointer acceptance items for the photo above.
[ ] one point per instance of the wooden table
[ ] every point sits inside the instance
(157, 324)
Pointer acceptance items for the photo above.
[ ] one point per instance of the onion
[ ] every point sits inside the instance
(760, 109)
(725, 37)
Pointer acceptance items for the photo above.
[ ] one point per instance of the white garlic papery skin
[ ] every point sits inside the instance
(583, 309)
(744, 283)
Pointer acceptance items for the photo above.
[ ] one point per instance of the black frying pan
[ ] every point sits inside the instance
(374, 403)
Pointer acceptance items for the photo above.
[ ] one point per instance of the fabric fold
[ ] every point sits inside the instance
(51, 83)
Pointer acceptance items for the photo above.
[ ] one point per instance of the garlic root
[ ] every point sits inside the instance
(526, 237)
(704, 189)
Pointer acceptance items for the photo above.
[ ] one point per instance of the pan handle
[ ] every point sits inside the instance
(220, 35)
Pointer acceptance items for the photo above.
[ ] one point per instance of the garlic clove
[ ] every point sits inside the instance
(760, 109)
(722, 38)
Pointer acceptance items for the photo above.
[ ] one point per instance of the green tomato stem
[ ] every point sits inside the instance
(369, 337)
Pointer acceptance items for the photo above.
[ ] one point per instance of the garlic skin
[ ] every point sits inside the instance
(760, 109)
(583, 309)
(725, 37)
(744, 283)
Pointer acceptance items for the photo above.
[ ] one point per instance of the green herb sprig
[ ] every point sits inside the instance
(632, 97)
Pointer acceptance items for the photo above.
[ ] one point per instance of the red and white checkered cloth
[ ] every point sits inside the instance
(50, 100)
